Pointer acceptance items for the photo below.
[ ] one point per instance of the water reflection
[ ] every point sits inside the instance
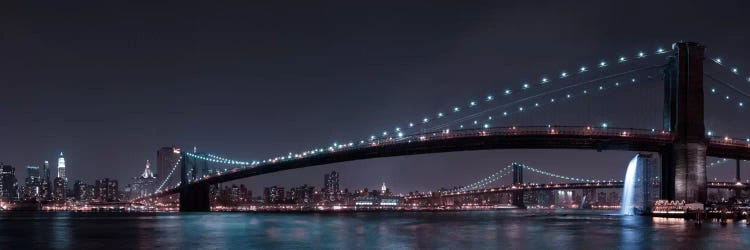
(453, 230)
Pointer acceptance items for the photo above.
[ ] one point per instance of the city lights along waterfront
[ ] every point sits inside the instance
(375, 125)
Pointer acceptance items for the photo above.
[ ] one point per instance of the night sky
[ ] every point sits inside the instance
(109, 82)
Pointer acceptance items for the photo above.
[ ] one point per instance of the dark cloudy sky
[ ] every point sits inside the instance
(109, 82)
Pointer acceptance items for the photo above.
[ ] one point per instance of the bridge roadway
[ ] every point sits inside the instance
(533, 137)
(559, 186)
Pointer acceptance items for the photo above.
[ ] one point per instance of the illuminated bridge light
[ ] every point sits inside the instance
(536, 104)
(456, 109)
(717, 60)
(735, 70)
(585, 91)
(568, 96)
(582, 69)
(425, 120)
(472, 104)
(710, 133)
(617, 84)
(602, 64)
(507, 91)
(552, 100)
(713, 90)
(622, 59)
(601, 87)
(505, 113)
(411, 124)
(489, 98)
(641, 55)
(660, 51)
(563, 74)
(440, 114)
(525, 86)
(398, 129)
(742, 104)
(520, 108)
(545, 80)
(604, 125)
(727, 97)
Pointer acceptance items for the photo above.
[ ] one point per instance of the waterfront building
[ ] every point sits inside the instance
(273, 195)
(8, 183)
(80, 191)
(60, 185)
(331, 186)
(302, 194)
(106, 190)
(32, 187)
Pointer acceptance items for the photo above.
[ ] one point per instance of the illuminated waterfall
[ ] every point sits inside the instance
(628, 191)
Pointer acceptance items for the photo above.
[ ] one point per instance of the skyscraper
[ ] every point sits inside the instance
(60, 192)
(166, 158)
(33, 188)
(61, 167)
(46, 186)
(34, 175)
(8, 183)
(331, 186)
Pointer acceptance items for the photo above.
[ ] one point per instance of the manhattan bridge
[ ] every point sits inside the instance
(681, 141)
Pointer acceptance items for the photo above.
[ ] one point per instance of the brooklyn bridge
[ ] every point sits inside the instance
(682, 142)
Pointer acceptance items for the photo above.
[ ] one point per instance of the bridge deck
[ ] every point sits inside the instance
(546, 137)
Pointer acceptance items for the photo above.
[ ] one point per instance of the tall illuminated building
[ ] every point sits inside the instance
(61, 167)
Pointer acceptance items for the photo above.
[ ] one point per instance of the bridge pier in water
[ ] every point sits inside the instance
(518, 181)
(684, 161)
(193, 197)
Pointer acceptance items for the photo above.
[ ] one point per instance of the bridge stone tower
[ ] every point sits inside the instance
(517, 181)
(684, 160)
(193, 197)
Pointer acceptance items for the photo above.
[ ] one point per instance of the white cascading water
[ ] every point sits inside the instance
(628, 191)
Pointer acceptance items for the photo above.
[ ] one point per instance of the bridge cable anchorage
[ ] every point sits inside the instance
(508, 91)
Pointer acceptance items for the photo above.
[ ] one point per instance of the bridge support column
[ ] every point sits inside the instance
(193, 197)
(738, 190)
(685, 160)
(518, 181)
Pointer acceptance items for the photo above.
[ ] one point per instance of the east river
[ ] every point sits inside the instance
(508, 229)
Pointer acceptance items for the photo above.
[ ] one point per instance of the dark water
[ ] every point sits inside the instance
(384, 230)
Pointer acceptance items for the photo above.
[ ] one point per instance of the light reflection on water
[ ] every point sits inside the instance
(386, 230)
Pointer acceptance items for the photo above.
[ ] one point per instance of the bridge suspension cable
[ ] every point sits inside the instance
(472, 104)
(486, 181)
(508, 169)
(536, 105)
(171, 172)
